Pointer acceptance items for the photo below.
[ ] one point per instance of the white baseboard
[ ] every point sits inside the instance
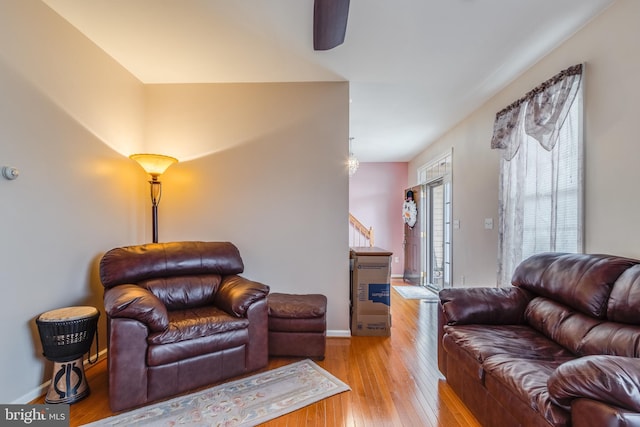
(42, 389)
(397, 276)
(339, 333)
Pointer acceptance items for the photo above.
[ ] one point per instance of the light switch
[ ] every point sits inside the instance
(488, 223)
(456, 224)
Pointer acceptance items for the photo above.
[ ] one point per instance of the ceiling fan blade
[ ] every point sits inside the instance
(329, 23)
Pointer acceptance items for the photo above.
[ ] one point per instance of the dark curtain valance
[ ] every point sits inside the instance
(540, 113)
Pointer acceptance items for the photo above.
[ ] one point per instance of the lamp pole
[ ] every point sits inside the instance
(154, 165)
(156, 193)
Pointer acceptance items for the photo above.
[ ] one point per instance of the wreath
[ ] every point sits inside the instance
(409, 212)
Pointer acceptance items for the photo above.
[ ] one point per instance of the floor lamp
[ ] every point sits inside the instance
(154, 165)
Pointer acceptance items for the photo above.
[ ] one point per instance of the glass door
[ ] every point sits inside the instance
(438, 236)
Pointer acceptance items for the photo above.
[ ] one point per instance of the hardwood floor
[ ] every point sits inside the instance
(394, 381)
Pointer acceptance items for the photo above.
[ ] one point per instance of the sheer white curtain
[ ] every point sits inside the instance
(540, 202)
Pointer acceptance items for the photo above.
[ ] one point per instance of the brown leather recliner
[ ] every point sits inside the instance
(179, 317)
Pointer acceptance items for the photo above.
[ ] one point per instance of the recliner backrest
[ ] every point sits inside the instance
(135, 264)
(180, 292)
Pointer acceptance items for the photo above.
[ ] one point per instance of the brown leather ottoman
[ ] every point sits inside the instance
(297, 325)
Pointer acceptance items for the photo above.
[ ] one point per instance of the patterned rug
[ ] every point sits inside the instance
(245, 402)
(417, 292)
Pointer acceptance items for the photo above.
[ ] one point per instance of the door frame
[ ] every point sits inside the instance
(438, 170)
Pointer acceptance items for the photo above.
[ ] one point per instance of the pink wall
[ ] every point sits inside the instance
(376, 193)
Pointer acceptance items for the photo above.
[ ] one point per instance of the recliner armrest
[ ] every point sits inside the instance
(614, 380)
(490, 306)
(236, 294)
(134, 302)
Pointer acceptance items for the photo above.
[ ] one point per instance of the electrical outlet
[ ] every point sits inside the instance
(488, 223)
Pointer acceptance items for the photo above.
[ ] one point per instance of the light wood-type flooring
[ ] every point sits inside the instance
(394, 380)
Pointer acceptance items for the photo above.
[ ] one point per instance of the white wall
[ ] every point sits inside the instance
(608, 47)
(269, 174)
(376, 195)
(69, 116)
(72, 200)
(73, 73)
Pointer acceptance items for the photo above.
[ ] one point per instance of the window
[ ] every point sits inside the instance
(541, 183)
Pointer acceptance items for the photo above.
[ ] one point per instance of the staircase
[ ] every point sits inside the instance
(359, 234)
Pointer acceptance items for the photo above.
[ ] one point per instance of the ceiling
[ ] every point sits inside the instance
(415, 67)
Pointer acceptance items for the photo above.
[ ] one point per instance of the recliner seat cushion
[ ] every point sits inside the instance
(196, 323)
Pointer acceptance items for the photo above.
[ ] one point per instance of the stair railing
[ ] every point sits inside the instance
(360, 235)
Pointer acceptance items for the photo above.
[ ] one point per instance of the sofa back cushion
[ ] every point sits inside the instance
(580, 281)
(624, 301)
(135, 264)
(180, 292)
(613, 338)
(559, 323)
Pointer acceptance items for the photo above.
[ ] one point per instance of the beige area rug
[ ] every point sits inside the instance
(245, 402)
(417, 292)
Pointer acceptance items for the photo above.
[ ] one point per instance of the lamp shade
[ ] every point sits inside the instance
(154, 164)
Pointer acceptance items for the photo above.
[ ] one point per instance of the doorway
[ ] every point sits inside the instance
(427, 244)
(412, 242)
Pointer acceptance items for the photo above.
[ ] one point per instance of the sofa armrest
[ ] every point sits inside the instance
(134, 302)
(614, 380)
(490, 306)
(236, 294)
(593, 413)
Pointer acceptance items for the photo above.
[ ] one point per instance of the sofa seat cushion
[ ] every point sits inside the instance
(521, 341)
(196, 323)
(527, 380)
(479, 342)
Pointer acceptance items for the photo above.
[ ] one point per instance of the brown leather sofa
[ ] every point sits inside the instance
(559, 348)
(179, 317)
